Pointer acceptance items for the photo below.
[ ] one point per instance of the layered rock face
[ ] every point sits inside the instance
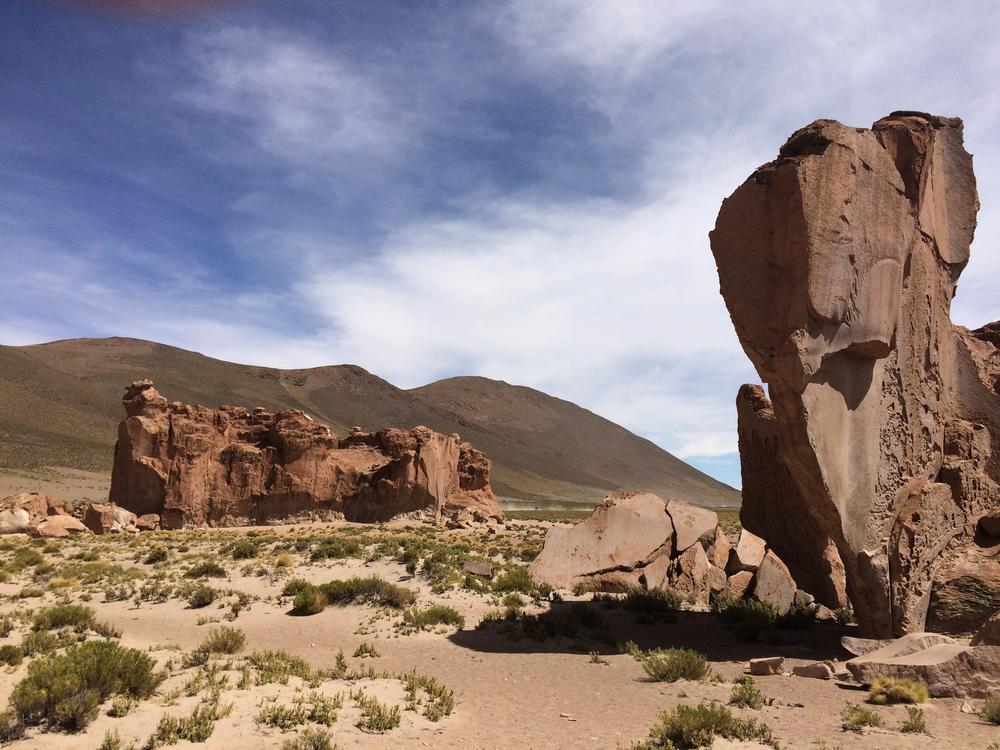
(196, 466)
(879, 451)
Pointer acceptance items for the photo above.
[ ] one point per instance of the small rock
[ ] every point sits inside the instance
(482, 568)
(748, 553)
(739, 584)
(967, 708)
(803, 598)
(819, 670)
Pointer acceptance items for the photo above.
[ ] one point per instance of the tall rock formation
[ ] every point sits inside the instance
(196, 466)
(879, 451)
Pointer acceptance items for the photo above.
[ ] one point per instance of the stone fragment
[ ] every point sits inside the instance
(716, 580)
(803, 599)
(767, 665)
(739, 584)
(691, 574)
(655, 574)
(718, 550)
(625, 531)
(691, 524)
(819, 670)
(748, 553)
(148, 522)
(874, 460)
(774, 584)
(196, 466)
(481, 568)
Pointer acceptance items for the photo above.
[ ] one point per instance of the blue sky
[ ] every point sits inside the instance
(521, 190)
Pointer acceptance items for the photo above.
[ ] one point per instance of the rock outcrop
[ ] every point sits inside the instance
(878, 453)
(36, 514)
(638, 539)
(194, 466)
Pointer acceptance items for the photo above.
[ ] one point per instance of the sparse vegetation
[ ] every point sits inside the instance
(889, 690)
(698, 726)
(671, 664)
(429, 617)
(207, 569)
(746, 694)
(991, 709)
(376, 717)
(65, 690)
(915, 722)
(311, 738)
(855, 718)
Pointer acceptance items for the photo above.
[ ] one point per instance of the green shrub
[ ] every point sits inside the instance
(991, 709)
(308, 601)
(746, 694)
(64, 690)
(889, 690)
(672, 664)
(436, 614)
(244, 549)
(438, 700)
(207, 569)
(698, 726)
(844, 615)
(282, 717)
(41, 642)
(654, 604)
(296, 585)
(855, 718)
(375, 716)
(224, 640)
(914, 723)
(12, 656)
(366, 650)
(278, 666)
(515, 579)
(336, 549)
(155, 556)
(200, 596)
(11, 728)
(372, 590)
(112, 741)
(310, 739)
(798, 617)
(78, 617)
(749, 617)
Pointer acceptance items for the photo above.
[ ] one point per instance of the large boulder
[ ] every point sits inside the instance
(871, 464)
(60, 525)
(196, 466)
(626, 531)
(15, 521)
(950, 670)
(748, 553)
(104, 518)
(691, 524)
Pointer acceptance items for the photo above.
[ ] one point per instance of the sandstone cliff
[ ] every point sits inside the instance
(196, 466)
(879, 452)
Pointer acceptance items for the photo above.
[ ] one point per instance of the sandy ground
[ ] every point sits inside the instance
(510, 694)
(75, 485)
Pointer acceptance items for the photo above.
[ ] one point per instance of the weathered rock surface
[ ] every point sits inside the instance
(819, 670)
(106, 518)
(626, 531)
(60, 525)
(950, 670)
(871, 466)
(632, 539)
(774, 584)
(15, 521)
(989, 633)
(767, 665)
(196, 466)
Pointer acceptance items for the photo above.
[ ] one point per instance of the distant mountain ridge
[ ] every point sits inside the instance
(60, 403)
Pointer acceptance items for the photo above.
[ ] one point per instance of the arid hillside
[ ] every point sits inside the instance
(60, 403)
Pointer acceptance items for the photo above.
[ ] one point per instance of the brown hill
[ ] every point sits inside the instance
(60, 403)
